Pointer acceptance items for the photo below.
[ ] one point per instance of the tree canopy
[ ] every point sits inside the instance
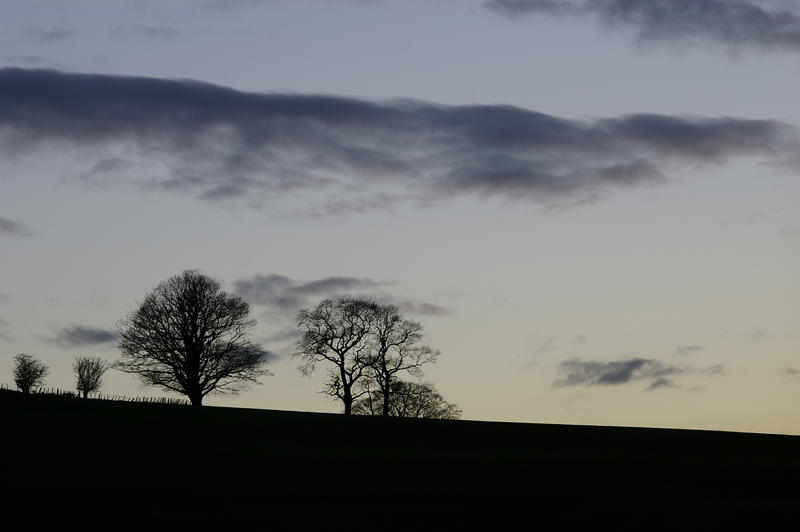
(409, 399)
(28, 372)
(89, 373)
(365, 345)
(187, 335)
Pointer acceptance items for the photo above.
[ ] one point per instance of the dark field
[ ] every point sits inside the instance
(66, 458)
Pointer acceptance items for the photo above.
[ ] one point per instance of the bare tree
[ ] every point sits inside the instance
(28, 372)
(394, 350)
(409, 399)
(89, 373)
(336, 332)
(189, 336)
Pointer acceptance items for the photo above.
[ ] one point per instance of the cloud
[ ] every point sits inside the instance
(281, 298)
(792, 372)
(547, 345)
(151, 32)
(287, 296)
(287, 335)
(29, 61)
(412, 306)
(576, 372)
(257, 149)
(735, 24)
(790, 232)
(12, 228)
(662, 382)
(688, 349)
(3, 327)
(227, 5)
(42, 35)
(82, 336)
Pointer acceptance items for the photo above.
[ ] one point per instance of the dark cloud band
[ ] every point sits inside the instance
(763, 24)
(12, 228)
(220, 144)
(576, 372)
(287, 296)
(82, 336)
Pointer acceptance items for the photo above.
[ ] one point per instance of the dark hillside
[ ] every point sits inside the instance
(139, 460)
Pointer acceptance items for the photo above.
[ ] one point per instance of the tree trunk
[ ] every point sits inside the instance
(196, 399)
(85, 394)
(385, 411)
(348, 401)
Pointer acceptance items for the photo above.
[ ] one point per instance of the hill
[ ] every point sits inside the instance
(128, 459)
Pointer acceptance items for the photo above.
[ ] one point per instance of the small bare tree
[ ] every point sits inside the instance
(28, 372)
(409, 399)
(189, 336)
(336, 332)
(395, 350)
(89, 374)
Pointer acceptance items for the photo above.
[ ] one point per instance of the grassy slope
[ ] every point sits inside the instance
(178, 461)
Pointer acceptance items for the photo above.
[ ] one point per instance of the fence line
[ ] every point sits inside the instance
(49, 390)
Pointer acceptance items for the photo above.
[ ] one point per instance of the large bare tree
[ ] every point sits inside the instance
(336, 332)
(89, 373)
(28, 372)
(189, 336)
(395, 350)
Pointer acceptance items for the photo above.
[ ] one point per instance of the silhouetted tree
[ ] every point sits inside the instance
(409, 399)
(395, 349)
(336, 332)
(89, 372)
(28, 372)
(189, 336)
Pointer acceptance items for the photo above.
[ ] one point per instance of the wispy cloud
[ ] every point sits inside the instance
(12, 228)
(688, 349)
(4, 331)
(735, 24)
(279, 298)
(282, 294)
(547, 345)
(285, 294)
(83, 336)
(222, 145)
(227, 5)
(143, 31)
(662, 382)
(35, 61)
(576, 372)
(42, 35)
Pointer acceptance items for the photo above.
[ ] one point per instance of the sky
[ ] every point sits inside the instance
(589, 205)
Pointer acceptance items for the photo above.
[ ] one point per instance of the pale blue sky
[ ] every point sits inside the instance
(695, 272)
